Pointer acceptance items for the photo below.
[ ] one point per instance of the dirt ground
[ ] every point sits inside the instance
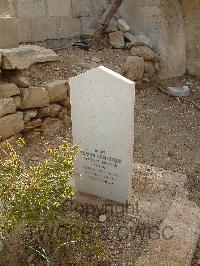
(167, 129)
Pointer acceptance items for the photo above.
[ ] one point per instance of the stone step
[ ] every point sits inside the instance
(180, 231)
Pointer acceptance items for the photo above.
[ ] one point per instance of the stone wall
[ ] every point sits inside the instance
(172, 25)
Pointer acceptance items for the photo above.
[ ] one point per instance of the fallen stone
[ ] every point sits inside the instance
(57, 90)
(102, 218)
(11, 124)
(34, 97)
(32, 136)
(29, 114)
(7, 106)
(137, 40)
(26, 55)
(149, 69)
(32, 124)
(117, 39)
(179, 235)
(134, 68)
(51, 126)
(51, 111)
(18, 101)
(122, 25)
(8, 90)
(178, 91)
(143, 51)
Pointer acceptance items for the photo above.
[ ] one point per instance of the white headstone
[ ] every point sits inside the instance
(102, 104)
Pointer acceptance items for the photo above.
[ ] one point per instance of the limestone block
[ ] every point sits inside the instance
(57, 90)
(51, 126)
(161, 21)
(122, 25)
(143, 51)
(117, 39)
(82, 8)
(59, 8)
(43, 28)
(89, 23)
(26, 55)
(34, 97)
(51, 111)
(134, 68)
(100, 6)
(8, 90)
(11, 124)
(68, 27)
(7, 106)
(8, 32)
(24, 30)
(30, 8)
(18, 101)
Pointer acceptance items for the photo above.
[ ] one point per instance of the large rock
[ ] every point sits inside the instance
(117, 39)
(136, 40)
(51, 111)
(11, 124)
(134, 68)
(7, 106)
(8, 90)
(26, 55)
(143, 51)
(162, 21)
(57, 90)
(34, 97)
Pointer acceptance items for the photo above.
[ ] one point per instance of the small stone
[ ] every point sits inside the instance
(8, 90)
(32, 136)
(35, 158)
(51, 126)
(143, 51)
(146, 80)
(122, 25)
(34, 97)
(178, 91)
(51, 111)
(63, 115)
(102, 218)
(32, 124)
(134, 68)
(96, 59)
(29, 114)
(117, 39)
(7, 106)
(156, 66)
(57, 90)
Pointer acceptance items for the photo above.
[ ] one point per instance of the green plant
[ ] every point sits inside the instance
(34, 195)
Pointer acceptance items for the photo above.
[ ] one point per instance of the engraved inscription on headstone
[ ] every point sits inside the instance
(102, 125)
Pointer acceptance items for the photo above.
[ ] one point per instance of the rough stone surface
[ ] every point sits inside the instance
(122, 25)
(26, 55)
(178, 91)
(8, 32)
(134, 68)
(57, 90)
(18, 101)
(143, 51)
(32, 136)
(51, 111)
(11, 124)
(7, 106)
(105, 162)
(29, 114)
(8, 90)
(117, 39)
(137, 40)
(149, 69)
(82, 8)
(34, 97)
(178, 246)
(112, 27)
(32, 124)
(51, 126)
